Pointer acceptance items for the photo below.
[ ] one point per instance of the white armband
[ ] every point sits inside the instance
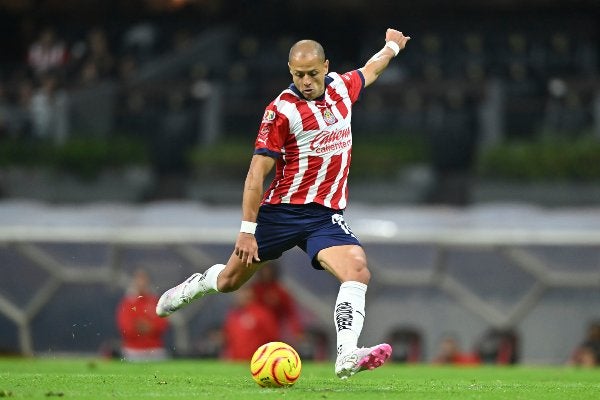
(248, 227)
(394, 46)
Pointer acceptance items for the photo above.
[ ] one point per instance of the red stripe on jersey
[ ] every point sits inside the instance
(284, 177)
(342, 190)
(339, 104)
(333, 170)
(273, 130)
(354, 82)
(272, 194)
(309, 178)
(289, 97)
(309, 121)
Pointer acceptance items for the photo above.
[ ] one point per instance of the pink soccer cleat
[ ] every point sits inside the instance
(362, 359)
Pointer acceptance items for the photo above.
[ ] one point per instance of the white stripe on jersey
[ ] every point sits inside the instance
(302, 168)
(337, 182)
(313, 190)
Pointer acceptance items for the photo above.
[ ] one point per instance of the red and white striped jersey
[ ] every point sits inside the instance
(312, 141)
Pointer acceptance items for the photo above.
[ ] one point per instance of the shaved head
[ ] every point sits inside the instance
(306, 48)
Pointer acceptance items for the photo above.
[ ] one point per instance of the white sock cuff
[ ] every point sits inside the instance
(212, 274)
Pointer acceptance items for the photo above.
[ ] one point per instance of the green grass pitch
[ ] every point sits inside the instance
(192, 379)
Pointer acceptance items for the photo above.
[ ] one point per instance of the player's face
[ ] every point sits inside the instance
(308, 74)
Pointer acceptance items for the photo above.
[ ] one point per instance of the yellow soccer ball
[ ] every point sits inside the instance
(275, 364)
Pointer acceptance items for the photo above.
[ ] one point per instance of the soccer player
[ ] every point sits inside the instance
(306, 135)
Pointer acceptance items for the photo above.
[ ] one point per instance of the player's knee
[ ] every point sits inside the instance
(358, 271)
(362, 274)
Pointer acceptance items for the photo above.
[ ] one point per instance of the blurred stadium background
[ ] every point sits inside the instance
(126, 128)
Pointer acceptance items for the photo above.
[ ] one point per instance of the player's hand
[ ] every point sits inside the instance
(396, 36)
(246, 248)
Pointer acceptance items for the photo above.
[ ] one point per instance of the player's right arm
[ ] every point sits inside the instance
(246, 247)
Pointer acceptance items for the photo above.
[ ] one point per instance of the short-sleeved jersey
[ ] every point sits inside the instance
(312, 142)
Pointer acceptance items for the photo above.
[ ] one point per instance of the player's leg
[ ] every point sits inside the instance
(234, 275)
(348, 263)
(273, 238)
(218, 278)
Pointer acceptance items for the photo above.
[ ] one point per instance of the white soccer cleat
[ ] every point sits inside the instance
(361, 359)
(181, 295)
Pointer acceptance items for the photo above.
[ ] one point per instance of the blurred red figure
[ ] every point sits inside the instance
(270, 292)
(248, 325)
(141, 329)
(450, 353)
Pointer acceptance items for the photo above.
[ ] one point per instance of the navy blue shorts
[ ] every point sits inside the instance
(312, 227)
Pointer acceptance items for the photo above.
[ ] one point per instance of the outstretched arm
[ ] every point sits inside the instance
(394, 41)
(246, 247)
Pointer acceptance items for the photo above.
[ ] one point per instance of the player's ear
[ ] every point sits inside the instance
(326, 65)
(290, 68)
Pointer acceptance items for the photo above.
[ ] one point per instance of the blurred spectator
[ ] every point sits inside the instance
(587, 354)
(498, 346)
(410, 115)
(4, 112)
(432, 57)
(21, 115)
(407, 344)
(270, 292)
(136, 115)
(182, 39)
(454, 128)
(560, 60)
(172, 140)
(565, 112)
(93, 57)
(248, 325)
(141, 329)
(524, 101)
(100, 54)
(127, 69)
(49, 110)
(47, 53)
(449, 352)
(140, 40)
(210, 344)
(315, 344)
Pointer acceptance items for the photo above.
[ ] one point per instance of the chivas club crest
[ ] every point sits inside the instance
(328, 116)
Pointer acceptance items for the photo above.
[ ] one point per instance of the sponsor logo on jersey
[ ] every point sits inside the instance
(326, 141)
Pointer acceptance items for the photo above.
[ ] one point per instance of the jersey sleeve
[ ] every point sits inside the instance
(272, 133)
(355, 83)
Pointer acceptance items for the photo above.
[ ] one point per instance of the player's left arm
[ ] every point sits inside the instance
(394, 41)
